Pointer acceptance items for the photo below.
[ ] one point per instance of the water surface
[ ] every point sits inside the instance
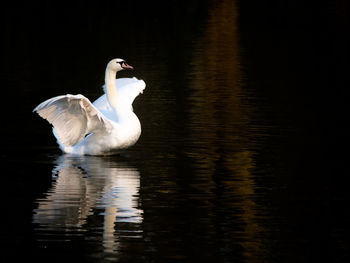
(228, 165)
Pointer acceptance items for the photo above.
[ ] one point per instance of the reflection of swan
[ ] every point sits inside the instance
(84, 186)
(104, 127)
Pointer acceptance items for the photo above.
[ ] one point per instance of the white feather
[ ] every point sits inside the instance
(128, 90)
(110, 128)
(73, 117)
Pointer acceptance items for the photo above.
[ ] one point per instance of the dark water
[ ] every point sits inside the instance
(237, 160)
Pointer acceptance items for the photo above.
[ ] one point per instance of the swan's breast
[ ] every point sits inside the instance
(126, 132)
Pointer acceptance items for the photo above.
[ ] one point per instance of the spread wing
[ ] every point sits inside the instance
(73, 117)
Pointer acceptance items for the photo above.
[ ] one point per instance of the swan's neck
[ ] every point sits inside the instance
(111, 88)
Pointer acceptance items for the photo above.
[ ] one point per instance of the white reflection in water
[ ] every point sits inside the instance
(89, 186)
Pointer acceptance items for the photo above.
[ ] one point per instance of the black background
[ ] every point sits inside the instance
(307, 38)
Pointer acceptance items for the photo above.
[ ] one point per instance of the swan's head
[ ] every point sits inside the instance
(118, 64)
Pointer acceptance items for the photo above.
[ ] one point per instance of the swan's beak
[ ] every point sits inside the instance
(126, 66)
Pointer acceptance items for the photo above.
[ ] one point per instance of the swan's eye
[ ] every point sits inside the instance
(125, 65)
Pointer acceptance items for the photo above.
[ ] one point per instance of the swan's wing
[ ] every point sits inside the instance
(73, 116)
(128, 90)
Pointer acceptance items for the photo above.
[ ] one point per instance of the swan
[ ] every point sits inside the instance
(104, 127)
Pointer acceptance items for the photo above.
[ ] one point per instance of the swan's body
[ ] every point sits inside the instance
(104, 127)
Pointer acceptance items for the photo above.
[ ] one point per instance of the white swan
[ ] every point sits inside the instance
(104, 127)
